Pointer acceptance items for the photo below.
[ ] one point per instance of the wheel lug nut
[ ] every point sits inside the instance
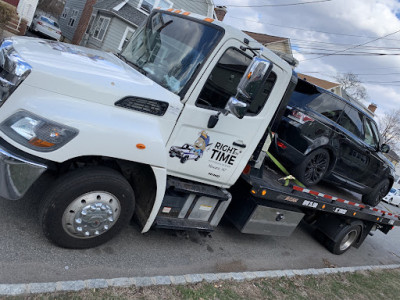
(105, 227)
(96, 232)
(79, 229)
(84, 212)
(87, 233)
(78, 221)
(110, 219)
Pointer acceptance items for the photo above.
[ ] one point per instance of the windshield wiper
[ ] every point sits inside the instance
(137, 67)
(132, 64)
(121, 57)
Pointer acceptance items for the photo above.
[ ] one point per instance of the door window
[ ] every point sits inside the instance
(224, 79)
(370, 133)
(351, 119)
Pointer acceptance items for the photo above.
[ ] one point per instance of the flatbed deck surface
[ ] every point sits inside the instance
(338, 200)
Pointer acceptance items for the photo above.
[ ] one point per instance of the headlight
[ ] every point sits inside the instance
(36, 132)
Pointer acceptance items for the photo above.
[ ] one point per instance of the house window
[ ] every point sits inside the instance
(90, 25)
(126, 37)
(72, 19)
(65, 13)
(148, 5)
(101, 28)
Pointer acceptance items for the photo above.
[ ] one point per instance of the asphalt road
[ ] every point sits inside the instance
(27, 256)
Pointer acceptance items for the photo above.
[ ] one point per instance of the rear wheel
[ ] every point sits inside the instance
(86, 207)
(377, 194)
(184, 159)
(313, 168)
(344, 239)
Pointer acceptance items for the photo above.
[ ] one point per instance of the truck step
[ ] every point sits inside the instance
(198, 189)
(182, 224)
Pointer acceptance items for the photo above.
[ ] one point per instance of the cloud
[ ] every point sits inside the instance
(368, 19)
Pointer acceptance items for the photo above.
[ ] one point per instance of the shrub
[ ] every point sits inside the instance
(6, 12)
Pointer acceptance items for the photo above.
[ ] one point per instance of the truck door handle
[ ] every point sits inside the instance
(239, 144)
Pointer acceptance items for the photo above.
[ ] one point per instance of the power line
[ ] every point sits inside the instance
(353, 47)
(303, 29)
(276, 5)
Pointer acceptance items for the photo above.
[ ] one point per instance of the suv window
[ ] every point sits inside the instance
(351, 119)
(328, 106)
(370, 132)
(224, 79)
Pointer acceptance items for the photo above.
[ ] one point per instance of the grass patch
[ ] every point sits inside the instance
(382, 284)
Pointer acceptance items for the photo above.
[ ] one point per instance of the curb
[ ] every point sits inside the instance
(68, 286)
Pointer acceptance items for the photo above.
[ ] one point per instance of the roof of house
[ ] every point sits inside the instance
(319, 82)
(265, 38)
(127, 12)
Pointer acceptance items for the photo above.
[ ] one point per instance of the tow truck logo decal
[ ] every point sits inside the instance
(194, 151)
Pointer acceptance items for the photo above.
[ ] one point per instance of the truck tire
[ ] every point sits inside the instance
(345, 238)
(87, 207)
(184, 159)
(380, 191)
(313, 168)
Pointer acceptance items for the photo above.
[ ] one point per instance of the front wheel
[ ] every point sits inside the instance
(87, 207)
(380, 191)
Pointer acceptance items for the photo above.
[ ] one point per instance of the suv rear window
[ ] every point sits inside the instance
(325, 104)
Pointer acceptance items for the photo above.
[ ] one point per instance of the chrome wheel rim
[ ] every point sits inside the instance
(316, 168)
(91, 214)
(349, 239)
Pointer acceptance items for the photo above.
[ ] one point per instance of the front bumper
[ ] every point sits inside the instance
(17, 174)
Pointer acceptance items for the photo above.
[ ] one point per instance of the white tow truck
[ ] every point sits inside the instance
(161, 131)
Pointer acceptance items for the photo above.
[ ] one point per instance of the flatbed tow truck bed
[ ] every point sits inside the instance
(263, 205)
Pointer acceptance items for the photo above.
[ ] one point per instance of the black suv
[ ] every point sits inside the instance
(325, 137)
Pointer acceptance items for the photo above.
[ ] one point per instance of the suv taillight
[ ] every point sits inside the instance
(300, 117)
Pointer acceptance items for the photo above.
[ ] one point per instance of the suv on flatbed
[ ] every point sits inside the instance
(325, 137)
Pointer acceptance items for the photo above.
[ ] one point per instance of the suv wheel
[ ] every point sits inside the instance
(377, 194)
(313, 168)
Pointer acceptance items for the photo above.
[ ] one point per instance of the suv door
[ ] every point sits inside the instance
(353, 158)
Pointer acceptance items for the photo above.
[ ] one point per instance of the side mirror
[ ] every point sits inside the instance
(253, 78)
(385, 148)
(236, 107)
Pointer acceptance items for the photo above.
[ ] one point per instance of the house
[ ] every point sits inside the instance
(333, 87)
(280, 45)
(108, 24)
(25, 13)
(75, 18)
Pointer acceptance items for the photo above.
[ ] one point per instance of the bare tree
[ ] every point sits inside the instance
(389, 127)
(53, 7)
(353, 86)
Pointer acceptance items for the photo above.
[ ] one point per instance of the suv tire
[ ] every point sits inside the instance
(313, 168)
(380, 191)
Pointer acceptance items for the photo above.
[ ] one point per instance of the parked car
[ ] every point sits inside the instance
(325, 137)
(393, 197)
(46, 26)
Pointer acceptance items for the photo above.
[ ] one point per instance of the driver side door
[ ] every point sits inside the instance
(219, 154)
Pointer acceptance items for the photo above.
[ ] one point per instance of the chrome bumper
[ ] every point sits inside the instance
(17, 174)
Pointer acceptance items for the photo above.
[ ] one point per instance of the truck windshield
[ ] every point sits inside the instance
(169, 49)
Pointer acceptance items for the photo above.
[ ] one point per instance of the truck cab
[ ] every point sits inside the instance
(123, 133)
